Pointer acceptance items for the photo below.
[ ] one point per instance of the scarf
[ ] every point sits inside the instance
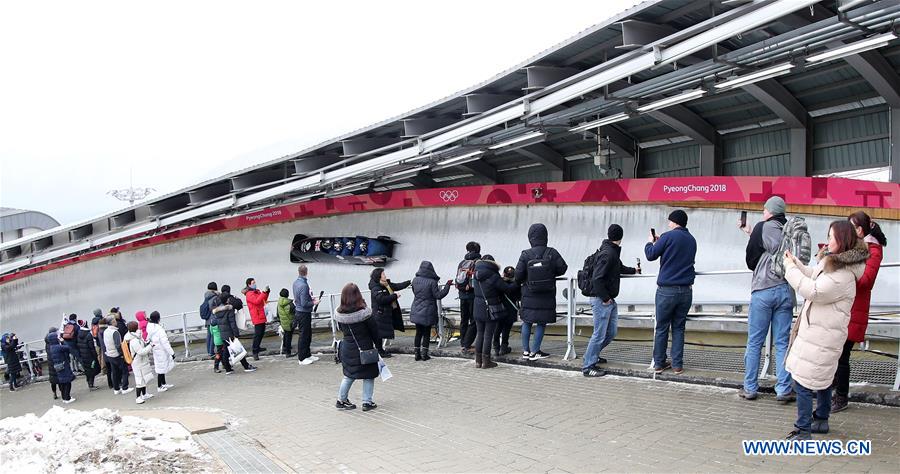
(391, 292)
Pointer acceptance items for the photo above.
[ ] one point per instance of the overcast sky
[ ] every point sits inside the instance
(181, 91)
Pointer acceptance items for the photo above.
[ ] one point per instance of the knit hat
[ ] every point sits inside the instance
(775, 205)
(679, 217)
(98, 312)
(284, 293)
(615, 232)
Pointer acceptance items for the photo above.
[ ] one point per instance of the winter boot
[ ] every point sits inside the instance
(838, 403)
(486, 362)
(425, 355)
(478, 358)
(418, 354)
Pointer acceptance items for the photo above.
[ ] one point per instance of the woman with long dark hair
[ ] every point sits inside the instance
(385, 308)
(821, 328)
(360, 334)
(870, 233)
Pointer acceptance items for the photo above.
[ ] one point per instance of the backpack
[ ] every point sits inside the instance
(126, 353)
(794, 237)
(464, 273)
(236, 303)
(69, 332)
(539, 276)
(587, 271)
(205, 311)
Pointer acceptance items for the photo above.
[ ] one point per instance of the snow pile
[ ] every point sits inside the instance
(67, 441)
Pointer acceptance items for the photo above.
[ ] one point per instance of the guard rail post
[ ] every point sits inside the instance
(187, 350)
(28, 359)
(897, 377)
(334, 340)
(570, 320)
(440, 327)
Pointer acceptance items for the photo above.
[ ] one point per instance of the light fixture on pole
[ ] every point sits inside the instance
(661, 104)
(518, 140)
(757, 76)
(131, 193)
(600, 122)
(874, 42)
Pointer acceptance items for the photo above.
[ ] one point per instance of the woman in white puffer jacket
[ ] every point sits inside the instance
(821, 328)
(163, 354)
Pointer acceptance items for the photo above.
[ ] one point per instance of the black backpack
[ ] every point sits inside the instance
(585, 283)
(539, 275)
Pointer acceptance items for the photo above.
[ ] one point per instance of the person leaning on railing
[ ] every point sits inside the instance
(870, 232)
(821, 327)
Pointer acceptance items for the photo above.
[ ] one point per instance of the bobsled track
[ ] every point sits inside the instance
(169, 275)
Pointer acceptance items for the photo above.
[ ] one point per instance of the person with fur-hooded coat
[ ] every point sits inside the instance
(820, 330)
(385, 308)
(490, 289)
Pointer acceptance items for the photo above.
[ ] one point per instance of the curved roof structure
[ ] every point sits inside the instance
(667, 88)
(19, 219)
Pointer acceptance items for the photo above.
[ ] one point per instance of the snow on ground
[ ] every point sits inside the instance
(69, 441)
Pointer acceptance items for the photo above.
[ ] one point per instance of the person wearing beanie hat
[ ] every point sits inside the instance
(286, 319)
(677, 251)
(771, 302)
(212, 290)
(606, 274)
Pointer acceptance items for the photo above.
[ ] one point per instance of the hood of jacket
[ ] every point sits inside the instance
(52, 338)
(426, 270)
(130, 335)
(354, 317)
(853, 259)
(140, 316)
(485, 268)
(537, 235)
(611, 247)
(472, 256)
(284, 302)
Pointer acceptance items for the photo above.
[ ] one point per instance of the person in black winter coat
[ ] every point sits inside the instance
(11, 357)
(538, 304)
(52, 335)
(87, 353)
(58, 354)
(223, 307)
(490, 289)
(511, 302)
(360, 330)
(385, 308)
(467, 300)
(121, 325)
(605, 277)
(424, 311)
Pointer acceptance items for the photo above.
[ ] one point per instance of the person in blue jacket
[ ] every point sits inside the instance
(59, 356)
(676, 250)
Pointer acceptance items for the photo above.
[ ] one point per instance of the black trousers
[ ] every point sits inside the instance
(842, 376)
(53, 388)
(66, 389)
(119, 372)
(467, 328)
(223, 354)
(485, 336)
(287, 341)
(259, 330)
(423, 336)
(303, 323)
(90, 372)
(160, 380)
(501, 336)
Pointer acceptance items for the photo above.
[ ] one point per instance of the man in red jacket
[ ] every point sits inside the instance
(256, 304)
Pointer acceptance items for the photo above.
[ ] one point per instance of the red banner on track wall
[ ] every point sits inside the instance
(747, 189)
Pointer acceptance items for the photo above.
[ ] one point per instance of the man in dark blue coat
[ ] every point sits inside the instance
(538, 297)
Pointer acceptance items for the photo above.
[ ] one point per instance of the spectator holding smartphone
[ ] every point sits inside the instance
(424, 311)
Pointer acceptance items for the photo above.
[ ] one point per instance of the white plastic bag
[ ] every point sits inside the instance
(236, 351)
(383, 370)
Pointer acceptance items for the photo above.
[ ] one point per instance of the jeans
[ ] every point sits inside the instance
(805, 413)
(423, 336)
(672, 306)
(485, 337)
(842, 376)
(538, 336)
(606, 325)
(772, 306)
(119, 372)
(303, 323)
(259, 330)
(467, 328)
(368, 389)
(210, 345)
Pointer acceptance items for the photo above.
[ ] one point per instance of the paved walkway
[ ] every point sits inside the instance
(446, 416)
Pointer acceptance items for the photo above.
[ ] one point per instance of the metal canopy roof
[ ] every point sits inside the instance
(674, 46)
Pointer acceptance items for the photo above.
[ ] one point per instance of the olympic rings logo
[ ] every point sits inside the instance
(449, 196)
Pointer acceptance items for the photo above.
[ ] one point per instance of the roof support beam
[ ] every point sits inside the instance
(691, 125)
(774, 96)
(594, 50)
(895, 145)
(881, 76)
(801, 152)
(546, 156)
(423, 180)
